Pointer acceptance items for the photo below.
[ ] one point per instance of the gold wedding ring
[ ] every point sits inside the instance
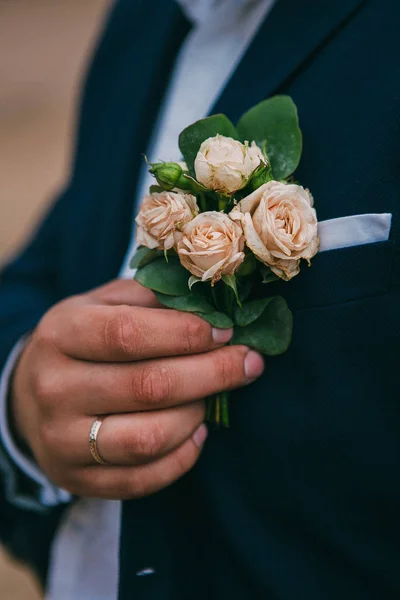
(94, 431)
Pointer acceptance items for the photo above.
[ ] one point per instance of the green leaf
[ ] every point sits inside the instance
(217, 319)
(190, 303)
(250, 311)
(245, 285)
(248, 266)
(230, 281)
(143, 256)
(274, 122)
(167, 278)
(193, 136)
(271, 332)
(155, 189)
(268, 275)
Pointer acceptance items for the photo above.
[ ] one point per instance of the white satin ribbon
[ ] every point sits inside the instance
(354, 231)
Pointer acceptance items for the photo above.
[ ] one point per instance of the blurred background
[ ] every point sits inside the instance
(44, 48)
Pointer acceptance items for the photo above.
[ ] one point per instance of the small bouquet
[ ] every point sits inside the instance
(226, 220)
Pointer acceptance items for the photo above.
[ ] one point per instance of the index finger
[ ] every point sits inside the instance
(130, 333)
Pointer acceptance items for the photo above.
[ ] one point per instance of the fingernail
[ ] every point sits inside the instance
(221, 336)
(253, 365)
(200, 435)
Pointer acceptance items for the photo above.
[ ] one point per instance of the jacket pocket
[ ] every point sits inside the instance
(342, 275)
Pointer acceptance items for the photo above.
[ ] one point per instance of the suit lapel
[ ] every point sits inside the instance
(121, 100)
(291, 33)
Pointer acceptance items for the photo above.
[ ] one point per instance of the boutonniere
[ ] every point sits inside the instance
(225, 220)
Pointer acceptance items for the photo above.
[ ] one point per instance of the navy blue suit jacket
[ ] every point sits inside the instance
(300, 497)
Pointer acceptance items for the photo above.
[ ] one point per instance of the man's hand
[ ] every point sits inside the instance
(114, 353)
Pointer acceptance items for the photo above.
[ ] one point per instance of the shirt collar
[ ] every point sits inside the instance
(199, 11)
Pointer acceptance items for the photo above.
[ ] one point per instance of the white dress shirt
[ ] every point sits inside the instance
(84, 561)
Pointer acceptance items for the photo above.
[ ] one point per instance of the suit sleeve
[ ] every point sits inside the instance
(29, 286)
(14, 460)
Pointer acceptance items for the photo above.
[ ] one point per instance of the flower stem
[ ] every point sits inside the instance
(203, 202)
(225, 409)
(222, 203)
(217, 411)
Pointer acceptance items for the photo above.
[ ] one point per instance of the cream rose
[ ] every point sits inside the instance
(225, 165)
(161, 218)
(280, 226)
(211, 246)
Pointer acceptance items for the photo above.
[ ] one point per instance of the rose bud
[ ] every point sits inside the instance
(280, 226)
(211, 246)
(262, 175)
(225, 165)
(161, 217)
(169, 175)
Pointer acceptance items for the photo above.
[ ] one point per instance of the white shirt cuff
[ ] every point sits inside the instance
(49, 494)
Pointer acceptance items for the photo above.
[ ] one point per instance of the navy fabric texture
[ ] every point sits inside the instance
(299, 499)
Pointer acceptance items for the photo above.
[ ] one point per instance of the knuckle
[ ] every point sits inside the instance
(147, 443)
(225, 369)
(88, 482)
(153, 385)
(50, 437)
(44, 334)
(101, 487)
(192, 332)
(119, 331)
(44, 388)
(135, 486)
(80, 483)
